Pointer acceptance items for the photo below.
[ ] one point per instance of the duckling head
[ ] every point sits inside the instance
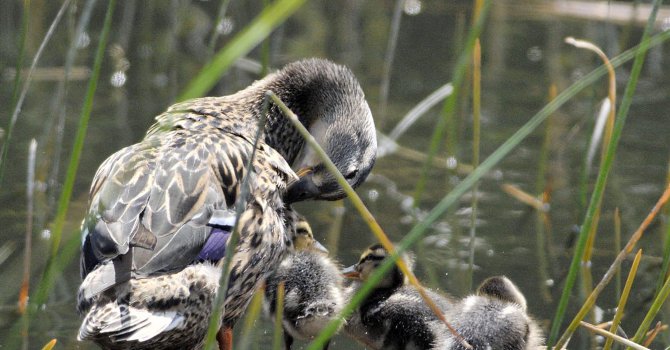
(501, 287)
(304, 238)
(330, 103)
(369, 262)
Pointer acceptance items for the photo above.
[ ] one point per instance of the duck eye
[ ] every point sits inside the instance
(351, 174)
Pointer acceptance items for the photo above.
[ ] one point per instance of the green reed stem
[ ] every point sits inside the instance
(391, 45)
(253, 311)
(265, 50)
(26, 83)
(259, 29)
(459, 75)
(66, 194)
(624, 298)
(240, 207)
(653, 310)
(476, 126)
(365, 215)
(666, 242)
(611, 336)
(617, 248)
(611, 271)
(606, 164)
(17, 81)
(220, 15)
(279, 316)
(452, 197)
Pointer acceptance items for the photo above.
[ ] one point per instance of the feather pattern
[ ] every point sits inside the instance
(155, 205)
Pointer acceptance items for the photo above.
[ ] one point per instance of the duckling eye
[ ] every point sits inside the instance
(351, 174)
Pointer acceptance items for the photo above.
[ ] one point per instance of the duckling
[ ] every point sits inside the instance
(154, 206)
(495, 318)
(393, 316)
(313, 288)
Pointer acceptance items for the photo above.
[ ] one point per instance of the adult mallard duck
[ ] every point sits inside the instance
(393, 316)
(161, 209)
(313, 287)
(495, 318)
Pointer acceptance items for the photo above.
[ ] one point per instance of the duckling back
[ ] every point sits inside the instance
(397, 319)
(313, 292)
(495, 319)
(394, 315)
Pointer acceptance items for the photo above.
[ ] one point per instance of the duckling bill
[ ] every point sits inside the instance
(393, 315)
(155, 206)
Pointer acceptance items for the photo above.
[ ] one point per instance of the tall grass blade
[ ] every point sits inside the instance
(366, 216)
(66, 194)
(450, 104)
(50, 345)
(26, 84)
(611, 271)
(53, 154)
(385, 84)
(452, 197)
(624, 298)
(279, 316)
(259, 29)
(27, 255)
(220, 15)
(253, 311)
(25, 17)
(476, 126)
(617, 248)
(420, 109)
(665, 267)
(240, 206)
(601, 181)
(651, 314)
(611, 336)
(265, 50)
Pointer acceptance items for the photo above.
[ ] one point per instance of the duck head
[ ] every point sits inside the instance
(330, 103)
(369, 262)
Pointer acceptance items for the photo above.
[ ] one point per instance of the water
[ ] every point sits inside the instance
(156, 47)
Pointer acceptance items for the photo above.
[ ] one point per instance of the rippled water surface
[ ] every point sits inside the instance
(157, 46)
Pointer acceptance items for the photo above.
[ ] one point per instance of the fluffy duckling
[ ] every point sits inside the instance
(313, 287)
(153, 205)
(495, 319)
(393, 316)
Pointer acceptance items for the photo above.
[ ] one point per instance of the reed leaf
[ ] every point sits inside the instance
(259, 29)
(366, 216)
(606, 164)
(253, 311)
(611, 271)
(26, 82)
(279, 315)
(17, 82)
(496, 157)
(611, 336)
(450, 103)
(66, 194)
(624, 298)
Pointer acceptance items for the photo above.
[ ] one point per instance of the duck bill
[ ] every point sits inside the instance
(302, 189)
(319, 247)
(351, 273)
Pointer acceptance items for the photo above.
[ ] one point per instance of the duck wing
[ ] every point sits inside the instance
(151, 203)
